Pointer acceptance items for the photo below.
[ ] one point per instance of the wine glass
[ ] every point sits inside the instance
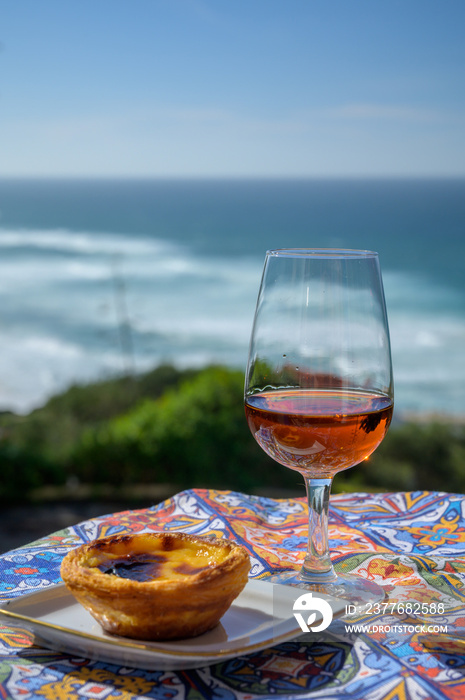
(319, 389)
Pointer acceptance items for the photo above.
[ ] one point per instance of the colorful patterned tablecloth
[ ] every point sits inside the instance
(412, 544)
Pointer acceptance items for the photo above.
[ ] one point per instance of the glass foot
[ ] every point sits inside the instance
(354, 589)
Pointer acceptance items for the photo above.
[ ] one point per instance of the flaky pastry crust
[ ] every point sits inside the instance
(196, 580)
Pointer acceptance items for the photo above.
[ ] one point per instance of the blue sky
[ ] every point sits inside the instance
(232, 88)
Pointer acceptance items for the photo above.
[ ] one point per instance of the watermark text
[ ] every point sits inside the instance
(396, 628)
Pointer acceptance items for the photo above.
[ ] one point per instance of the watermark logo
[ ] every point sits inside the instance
(310, 605)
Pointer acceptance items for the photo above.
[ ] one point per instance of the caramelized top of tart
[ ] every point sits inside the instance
(154, 556)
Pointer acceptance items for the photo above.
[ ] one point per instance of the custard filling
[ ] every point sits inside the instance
(158, 563)
(145, 567)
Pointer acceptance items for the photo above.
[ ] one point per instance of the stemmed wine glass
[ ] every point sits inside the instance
(319, 390)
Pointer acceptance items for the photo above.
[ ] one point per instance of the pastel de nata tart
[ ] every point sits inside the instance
(156, 586)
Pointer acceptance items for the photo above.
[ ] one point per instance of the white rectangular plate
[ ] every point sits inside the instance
(260, 617)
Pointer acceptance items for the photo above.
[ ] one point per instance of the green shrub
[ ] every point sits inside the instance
(415, 456)
(188, 429)
(23, 471)
(196, 435)
(54, 429)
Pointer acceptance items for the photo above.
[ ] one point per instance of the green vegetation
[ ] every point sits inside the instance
(187, 429)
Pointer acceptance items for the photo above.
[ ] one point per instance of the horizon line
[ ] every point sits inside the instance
(225, 177)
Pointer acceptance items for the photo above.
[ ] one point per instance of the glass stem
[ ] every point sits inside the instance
(317, 566)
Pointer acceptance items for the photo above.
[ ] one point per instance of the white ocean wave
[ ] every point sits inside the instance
(413, 290)
(83, 242)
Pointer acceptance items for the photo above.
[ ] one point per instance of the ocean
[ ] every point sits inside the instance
(103, 277)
